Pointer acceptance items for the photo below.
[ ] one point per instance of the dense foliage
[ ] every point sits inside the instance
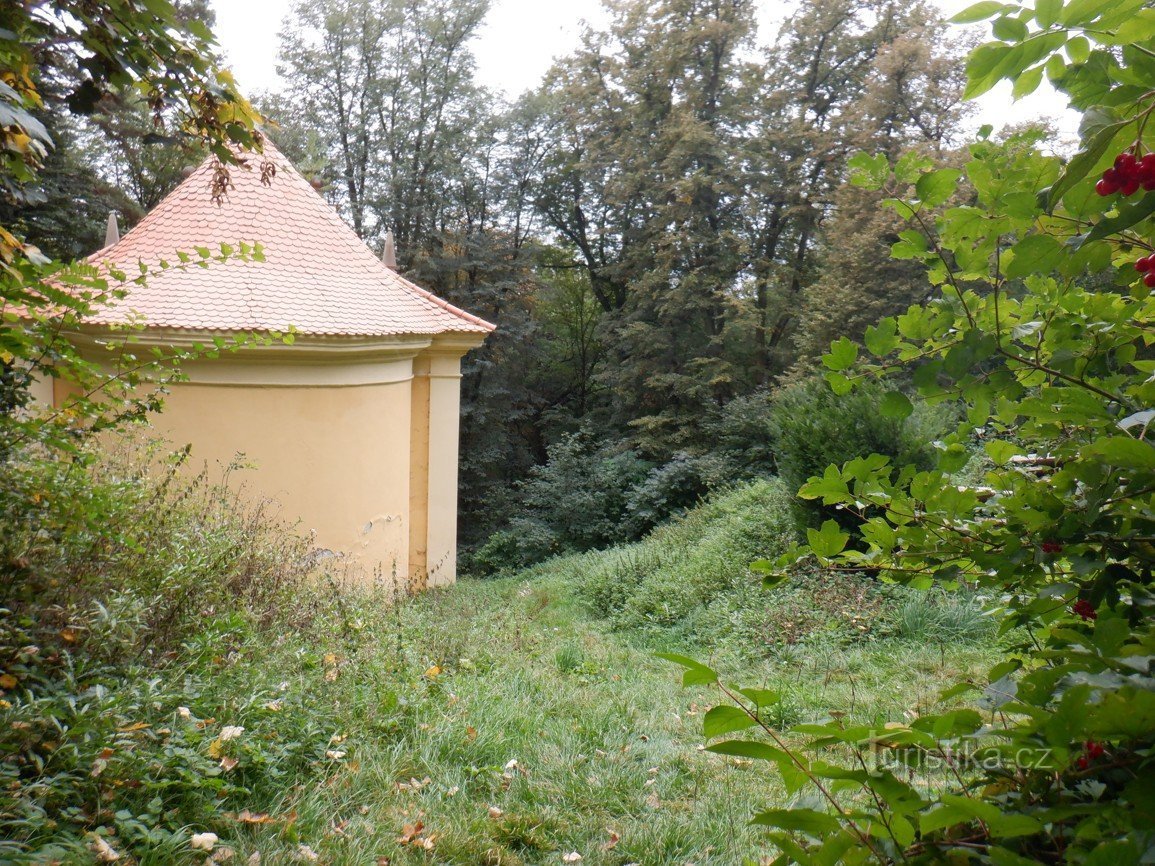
(1042, 326)
(647, 227)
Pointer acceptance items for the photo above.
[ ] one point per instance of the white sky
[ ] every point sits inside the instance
(521, 38)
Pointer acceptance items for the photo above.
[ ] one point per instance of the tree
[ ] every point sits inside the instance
(85, 53)
(1041, 325)
(843, 75)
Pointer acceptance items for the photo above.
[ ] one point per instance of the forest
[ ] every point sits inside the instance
(808, 481)
(652, 228)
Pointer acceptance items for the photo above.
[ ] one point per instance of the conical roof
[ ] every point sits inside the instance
(318, 277)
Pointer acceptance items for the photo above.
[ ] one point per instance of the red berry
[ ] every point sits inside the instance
(1113, 176)
(1105, 188)
(1125, 163)
(1130, 185)
(1094, 750)
(1143, 265)
(1082, 763)
(1148, 161)
(1084, 609)
(1052, 547)
(1149, 279)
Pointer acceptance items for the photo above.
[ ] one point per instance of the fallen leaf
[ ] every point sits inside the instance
(384, 861)
(495, 812)
(7, 681)
(254, 859)
(228, 763)
(307, 854)
(434, 671)
(69, 635)
(139, 726)
(571, 857)
(247, 817)
(612, 843)
(471, 733)
(410, 832)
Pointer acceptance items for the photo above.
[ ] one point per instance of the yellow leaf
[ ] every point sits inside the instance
(216, 748)
(7, 681)
(433, 672)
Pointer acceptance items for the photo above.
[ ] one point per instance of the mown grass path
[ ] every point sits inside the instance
(495, 723)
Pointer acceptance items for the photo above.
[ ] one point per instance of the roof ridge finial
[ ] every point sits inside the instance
(389, 252)
(112, 230)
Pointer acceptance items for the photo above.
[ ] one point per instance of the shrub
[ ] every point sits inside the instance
(811, 427)
(1052, 759)
(128, 590)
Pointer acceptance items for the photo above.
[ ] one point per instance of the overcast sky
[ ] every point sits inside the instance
(521, 38)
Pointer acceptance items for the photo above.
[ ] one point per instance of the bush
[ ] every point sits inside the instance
(589, 496)
(128, 593)
(811, 427)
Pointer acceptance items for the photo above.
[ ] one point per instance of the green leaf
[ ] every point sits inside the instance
(808, 821)
(882, 339)
(1123, 452)
(696, 673)
(725, 719)
(895, 405)
(1027, 83)
(842, 355)
(1128, 215)
(828, 541)
(978, 12)
(1034, 254)
(761, 697)
(839, 384)
(1001, 451)
(750, 749)
(869, 172)
(935, 187)
(1078, 49)
(1047, 12)
(1009, 29)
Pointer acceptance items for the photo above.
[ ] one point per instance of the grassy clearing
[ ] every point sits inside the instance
(544, 734)
(521, 720)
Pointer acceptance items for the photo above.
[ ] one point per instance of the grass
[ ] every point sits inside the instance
(185, 679)
(499, 723)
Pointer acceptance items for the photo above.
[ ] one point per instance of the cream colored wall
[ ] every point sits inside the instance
(334, 457)
(356, 439)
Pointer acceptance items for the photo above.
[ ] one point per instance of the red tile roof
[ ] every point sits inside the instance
(318, 276)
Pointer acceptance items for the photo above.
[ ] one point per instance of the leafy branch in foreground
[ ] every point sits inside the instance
(1042, 328)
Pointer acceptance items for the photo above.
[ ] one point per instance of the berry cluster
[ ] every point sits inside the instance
(1091, 751)
(1146, 266)
(1128, 174)
(1084, 609)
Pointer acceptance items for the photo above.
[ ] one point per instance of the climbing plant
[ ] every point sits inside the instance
(1042, 325)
